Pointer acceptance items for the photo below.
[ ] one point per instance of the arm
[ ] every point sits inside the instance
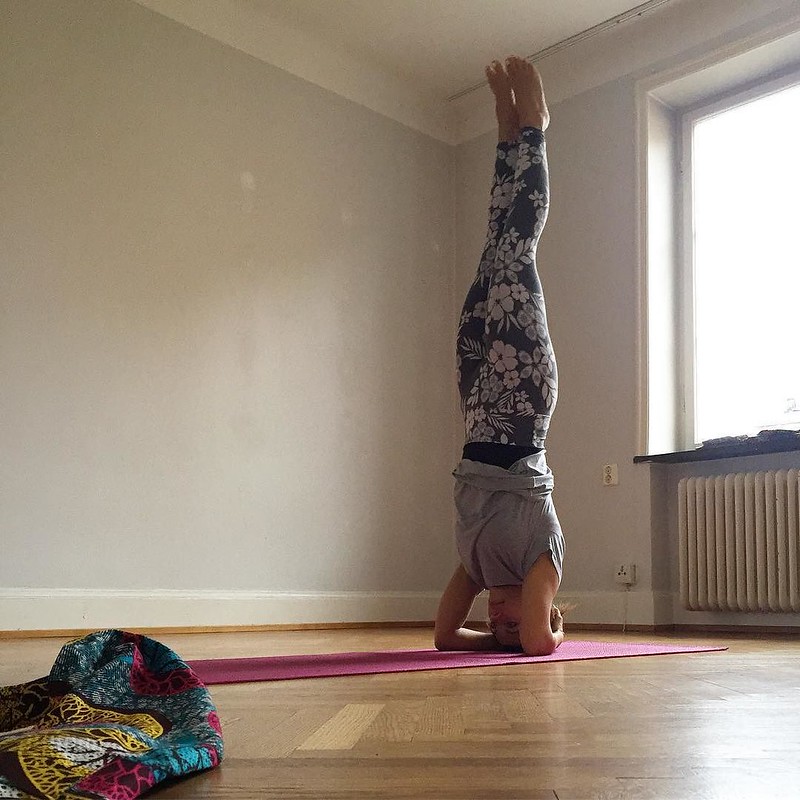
(449, 633)
(542, 626)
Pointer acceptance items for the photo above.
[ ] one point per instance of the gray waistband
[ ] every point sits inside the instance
(531, 473)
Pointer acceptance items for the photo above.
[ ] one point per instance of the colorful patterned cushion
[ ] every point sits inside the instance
(118, 714)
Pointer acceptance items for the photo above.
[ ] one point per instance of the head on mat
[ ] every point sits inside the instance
(505, 616)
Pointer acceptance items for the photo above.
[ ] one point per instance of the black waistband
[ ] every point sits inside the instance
(499, 455)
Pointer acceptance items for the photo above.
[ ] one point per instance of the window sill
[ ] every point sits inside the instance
(752, 446)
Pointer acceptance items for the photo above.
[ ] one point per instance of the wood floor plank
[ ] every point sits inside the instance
(440, 719)
(396, 723)
(562, 706)
(483, 713)
(343, 730)
(283, 741)
(522, 706)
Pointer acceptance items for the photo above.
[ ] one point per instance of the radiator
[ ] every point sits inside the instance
(739, 539)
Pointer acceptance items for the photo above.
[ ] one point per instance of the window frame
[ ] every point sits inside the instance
(686, 267)
(759, 63)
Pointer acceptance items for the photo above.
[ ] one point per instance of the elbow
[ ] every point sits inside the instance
(540, 646)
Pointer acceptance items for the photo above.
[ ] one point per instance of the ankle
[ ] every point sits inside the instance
(534, 119)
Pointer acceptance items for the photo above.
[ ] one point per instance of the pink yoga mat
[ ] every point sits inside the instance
(284, 668)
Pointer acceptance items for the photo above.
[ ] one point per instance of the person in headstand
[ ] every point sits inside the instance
(507, 533)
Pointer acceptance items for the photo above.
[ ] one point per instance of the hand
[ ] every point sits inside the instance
(557, 617)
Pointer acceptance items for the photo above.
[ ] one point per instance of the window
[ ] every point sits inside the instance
(719, 189)
(741, 189)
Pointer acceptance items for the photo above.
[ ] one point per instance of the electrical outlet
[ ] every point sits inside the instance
(610, 475)
(625, 574)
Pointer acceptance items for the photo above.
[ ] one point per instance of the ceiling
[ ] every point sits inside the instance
(419, 62)
(441, 45)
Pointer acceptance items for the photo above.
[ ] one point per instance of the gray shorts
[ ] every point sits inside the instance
(505, 520)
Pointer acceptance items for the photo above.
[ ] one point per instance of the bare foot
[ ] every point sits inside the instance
(507, 124)
(528, 93)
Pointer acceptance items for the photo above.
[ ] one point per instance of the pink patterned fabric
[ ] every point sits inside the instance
(119, 780)
(145, 681)
(282, 668)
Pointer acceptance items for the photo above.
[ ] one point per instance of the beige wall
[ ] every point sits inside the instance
(226, 323)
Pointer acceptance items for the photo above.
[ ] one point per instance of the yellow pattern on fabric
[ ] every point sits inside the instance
(73, 709)
(51, 770)
(16, 702)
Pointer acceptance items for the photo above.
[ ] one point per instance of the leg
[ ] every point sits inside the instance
(505, 161)
(470, 350)
(517, 384)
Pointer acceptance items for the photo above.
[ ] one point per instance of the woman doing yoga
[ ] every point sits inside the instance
(507, 533)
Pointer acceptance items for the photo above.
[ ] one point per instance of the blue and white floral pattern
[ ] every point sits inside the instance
(507, 374)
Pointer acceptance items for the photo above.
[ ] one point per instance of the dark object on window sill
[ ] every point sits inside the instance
(767, 441)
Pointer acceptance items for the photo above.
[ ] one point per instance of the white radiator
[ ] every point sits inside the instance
(739, 539)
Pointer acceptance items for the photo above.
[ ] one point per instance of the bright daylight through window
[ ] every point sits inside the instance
(746, 260)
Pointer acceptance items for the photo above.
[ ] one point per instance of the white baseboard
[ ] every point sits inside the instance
(618, 607)
(70, 609)
(73, 609)
(658, 608)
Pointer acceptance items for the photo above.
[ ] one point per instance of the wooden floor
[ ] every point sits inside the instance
(716, 725)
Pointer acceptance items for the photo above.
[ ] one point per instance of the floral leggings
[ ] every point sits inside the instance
(507, 374)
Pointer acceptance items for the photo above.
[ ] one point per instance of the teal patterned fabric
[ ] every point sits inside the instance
(118, 714)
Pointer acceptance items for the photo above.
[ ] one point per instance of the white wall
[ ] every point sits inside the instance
(226, 304)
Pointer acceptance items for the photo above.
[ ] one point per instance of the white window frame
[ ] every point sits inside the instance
(686, 334)
(759, 64)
